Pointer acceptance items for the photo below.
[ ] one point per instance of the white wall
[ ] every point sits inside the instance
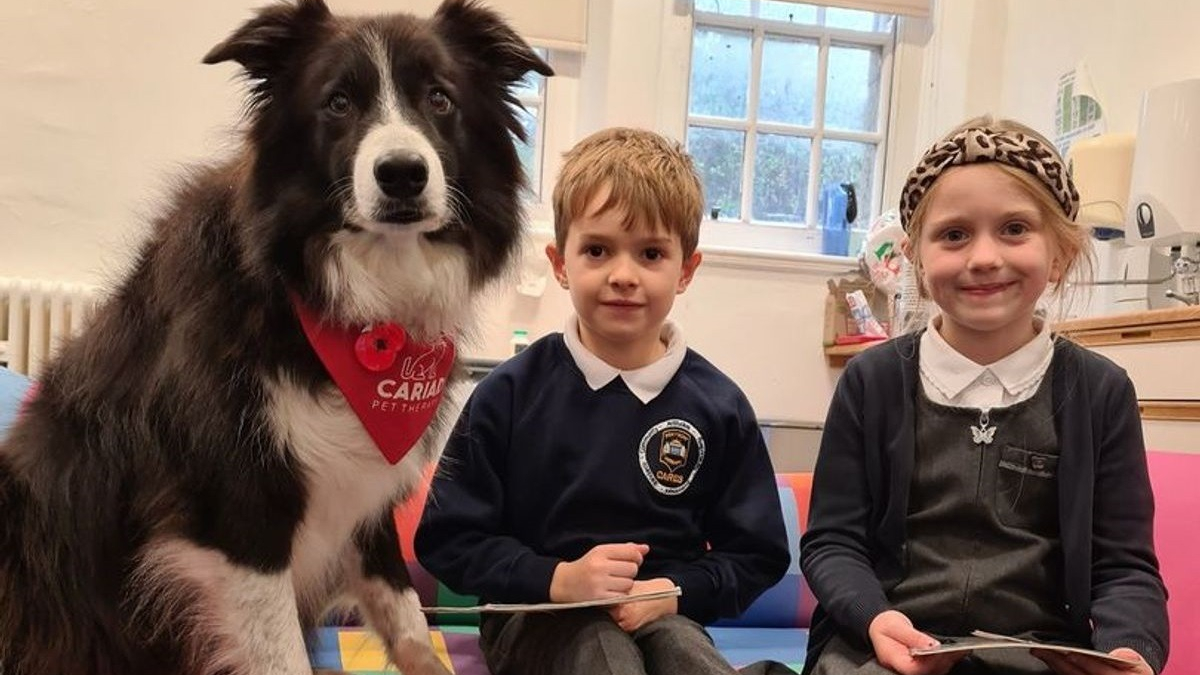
(962, 66)
(1128, 47)
(101, 101)
(104, 100)
(1005, 56)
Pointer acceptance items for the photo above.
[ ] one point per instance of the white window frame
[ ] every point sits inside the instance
(747, 233)
(559, 105)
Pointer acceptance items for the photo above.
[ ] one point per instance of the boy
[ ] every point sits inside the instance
(610, 459)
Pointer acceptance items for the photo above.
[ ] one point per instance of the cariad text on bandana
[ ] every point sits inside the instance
(393, 384)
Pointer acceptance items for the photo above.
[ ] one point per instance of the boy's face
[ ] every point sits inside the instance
(622, 283)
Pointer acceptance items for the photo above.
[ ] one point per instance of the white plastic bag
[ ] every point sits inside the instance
(882, 252)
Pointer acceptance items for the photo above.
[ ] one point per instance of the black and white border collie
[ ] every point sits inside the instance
(188, 490)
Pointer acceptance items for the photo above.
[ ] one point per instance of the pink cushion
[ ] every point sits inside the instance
(1175, 477)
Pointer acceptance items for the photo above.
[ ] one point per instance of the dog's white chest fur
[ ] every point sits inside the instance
(348, 480)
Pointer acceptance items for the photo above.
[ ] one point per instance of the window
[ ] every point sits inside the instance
(531, 93)
(785, 100)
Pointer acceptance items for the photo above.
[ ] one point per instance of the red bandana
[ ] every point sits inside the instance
(393, 384)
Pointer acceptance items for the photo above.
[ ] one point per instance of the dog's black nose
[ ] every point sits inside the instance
(401, 175)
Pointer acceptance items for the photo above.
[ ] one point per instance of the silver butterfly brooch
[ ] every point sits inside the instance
(983, 434)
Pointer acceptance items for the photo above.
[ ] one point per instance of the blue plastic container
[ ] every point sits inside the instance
(833, 208)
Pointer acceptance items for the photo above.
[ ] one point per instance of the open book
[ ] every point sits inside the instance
(983, 640)
(551, 606)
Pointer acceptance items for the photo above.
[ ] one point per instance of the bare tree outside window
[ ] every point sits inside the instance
(784, 99)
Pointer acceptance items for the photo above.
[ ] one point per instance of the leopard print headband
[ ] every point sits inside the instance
(990, 145)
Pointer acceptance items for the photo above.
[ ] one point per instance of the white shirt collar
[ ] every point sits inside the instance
(646, 382)
(952, 373)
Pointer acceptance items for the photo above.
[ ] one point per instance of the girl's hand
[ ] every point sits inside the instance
(631, 616)
(606, 571)
(892, 635)
(1065, 663)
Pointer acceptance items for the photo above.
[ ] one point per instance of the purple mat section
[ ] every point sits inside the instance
(462, 643)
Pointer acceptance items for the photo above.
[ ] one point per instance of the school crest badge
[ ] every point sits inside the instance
(670, 453)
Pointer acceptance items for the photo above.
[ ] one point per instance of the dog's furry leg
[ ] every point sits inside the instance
(379, 581)
(232, 619)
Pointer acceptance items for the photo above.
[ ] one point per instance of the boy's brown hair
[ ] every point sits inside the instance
(650, 178)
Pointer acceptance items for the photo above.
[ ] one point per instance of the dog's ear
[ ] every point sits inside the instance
(265, 44)
(484, 35)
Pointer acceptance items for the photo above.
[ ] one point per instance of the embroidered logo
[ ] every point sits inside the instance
(670, 453)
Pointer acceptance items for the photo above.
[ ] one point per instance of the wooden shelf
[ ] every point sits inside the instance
(1178, 411)
(838, 355)
(1156, 325)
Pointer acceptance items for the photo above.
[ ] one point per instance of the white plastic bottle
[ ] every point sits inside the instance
(520, 340)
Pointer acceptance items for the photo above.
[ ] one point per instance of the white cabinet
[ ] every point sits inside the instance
(1160, 349)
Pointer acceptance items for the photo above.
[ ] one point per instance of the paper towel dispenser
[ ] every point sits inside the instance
(1164, 189)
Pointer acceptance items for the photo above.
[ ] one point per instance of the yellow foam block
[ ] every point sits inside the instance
(362, 650)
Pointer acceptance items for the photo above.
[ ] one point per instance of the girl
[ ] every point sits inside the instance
(981, 474)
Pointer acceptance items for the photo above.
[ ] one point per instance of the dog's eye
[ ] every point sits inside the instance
(338, 104)
(440, 102)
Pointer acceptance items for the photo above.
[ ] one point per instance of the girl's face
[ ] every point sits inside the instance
(986, 256)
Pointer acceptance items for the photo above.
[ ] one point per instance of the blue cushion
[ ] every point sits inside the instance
(742, 646)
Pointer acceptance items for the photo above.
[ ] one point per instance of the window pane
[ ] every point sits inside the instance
(731, 7)
(720, 72)
(852, 89)
(789, 80)
(851, 162)
(781, 178)
(792, 12)
(531, 85)
(718, 157)
(854, 19)
(526, 149)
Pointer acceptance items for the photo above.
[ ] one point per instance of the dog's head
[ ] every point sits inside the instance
(381, 152)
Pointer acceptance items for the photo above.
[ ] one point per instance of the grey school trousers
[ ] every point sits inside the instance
(588, 642)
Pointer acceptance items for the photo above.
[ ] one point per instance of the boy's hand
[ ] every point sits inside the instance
(606, 571)
(892, 635)
(631, 616)
(1082, 664)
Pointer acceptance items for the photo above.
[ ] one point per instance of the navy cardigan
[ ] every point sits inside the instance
(853, 549)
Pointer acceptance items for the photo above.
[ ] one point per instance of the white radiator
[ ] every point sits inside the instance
(35, 316)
